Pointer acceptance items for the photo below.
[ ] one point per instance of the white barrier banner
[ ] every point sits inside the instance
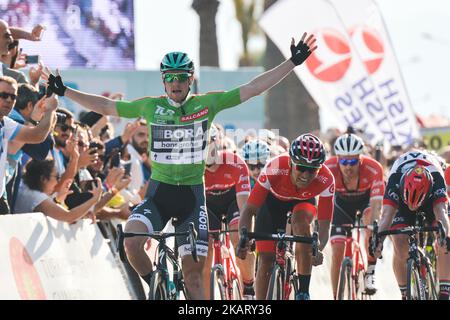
(334, 74)
(41, 258)
(366, 28)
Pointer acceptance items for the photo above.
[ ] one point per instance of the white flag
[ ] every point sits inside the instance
(334, 74)
(364, 24)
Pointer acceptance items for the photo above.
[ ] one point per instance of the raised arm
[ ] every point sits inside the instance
(92, 102)
(265, 81)
(40, 132)
(34, 35)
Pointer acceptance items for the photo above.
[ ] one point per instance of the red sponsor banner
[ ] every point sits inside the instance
(194, 116)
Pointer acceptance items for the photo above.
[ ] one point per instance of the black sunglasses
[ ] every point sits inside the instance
(303, 168)
(66, 127)
(6, 95)
(256, 166)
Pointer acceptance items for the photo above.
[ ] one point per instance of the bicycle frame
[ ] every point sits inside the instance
(284, 256)
(353, 251)
(224, 257)
(416, 254)
(176, 284)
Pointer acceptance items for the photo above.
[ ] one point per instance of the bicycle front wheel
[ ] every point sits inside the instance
(158, 288)
(430, 282)
(217, 284)
(236, 289)
(345, 286)
(275, 291)
(413, 284)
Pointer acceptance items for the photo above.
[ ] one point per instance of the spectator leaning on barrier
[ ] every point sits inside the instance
(38, 186)
(28, 109)
(178, 174)
(11, 130)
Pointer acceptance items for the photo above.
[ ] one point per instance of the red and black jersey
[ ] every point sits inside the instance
(370, 184)
(275, 178)
(233, 172)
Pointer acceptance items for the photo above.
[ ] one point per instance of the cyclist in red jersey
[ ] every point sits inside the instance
(227, 187)
(359, 187)
(290, 183)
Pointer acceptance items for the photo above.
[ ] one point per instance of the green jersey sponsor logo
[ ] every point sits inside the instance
(179, 144)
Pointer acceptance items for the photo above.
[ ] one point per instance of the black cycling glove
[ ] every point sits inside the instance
(300, 53)
(56, 85)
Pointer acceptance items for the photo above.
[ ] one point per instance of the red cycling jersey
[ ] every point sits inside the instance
(233, 172)
(275, 177)
(371, 179)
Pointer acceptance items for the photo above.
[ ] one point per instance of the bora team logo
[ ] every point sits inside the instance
(333, 58)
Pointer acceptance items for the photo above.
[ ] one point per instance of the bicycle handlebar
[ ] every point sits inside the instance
(157, 235)
(439, 228)
(313, 240)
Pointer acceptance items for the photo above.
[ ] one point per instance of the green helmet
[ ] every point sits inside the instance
(176, 61)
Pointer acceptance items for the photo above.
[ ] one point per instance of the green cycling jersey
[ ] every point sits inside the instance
(178, 138)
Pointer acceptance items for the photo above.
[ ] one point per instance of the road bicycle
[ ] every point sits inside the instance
(353, 268)
(224, 279)
(164, 285)
(421, 281)
(283, 283)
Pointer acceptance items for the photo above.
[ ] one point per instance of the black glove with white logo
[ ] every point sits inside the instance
(56, 85)
(300, 52)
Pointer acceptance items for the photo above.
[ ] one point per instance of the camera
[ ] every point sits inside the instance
(60, 118)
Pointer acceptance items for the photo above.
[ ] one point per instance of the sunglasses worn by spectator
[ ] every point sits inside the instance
(180, 77)
(303, 168)
(256, 166)
(351, 162)
(6, 95)
(65, 127)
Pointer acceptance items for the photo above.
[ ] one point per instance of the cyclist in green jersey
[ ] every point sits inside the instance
(178, 124)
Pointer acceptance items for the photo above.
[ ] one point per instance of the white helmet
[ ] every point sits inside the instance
(255, 151)
(348, 145)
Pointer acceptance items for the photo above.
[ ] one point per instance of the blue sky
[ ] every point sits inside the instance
(418, 29)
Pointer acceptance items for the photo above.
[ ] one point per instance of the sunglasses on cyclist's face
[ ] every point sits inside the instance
(256, 166)
(180, 77)
(302, 168)
(351, 162)
(6, 95)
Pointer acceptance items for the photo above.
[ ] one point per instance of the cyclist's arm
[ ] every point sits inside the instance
(245, 221)
(387, 216)
(375, 206)
(241, 200)
(324, 233)
(324, 216)
(93, 102)
(440, 210)
(254, 202)
(266, 80)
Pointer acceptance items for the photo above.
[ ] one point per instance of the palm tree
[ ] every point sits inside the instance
(209, 52)
(289, 107)
(245, 14)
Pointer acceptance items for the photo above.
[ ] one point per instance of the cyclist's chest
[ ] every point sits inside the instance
(284, 189)
(186, 114)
